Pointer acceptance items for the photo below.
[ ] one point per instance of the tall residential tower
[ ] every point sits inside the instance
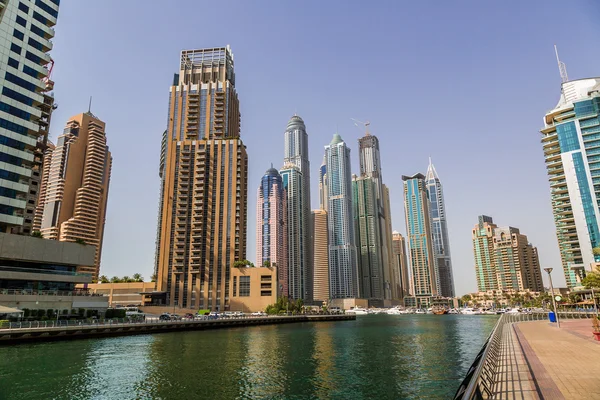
(343, 280)
(571, 144)
(425, 276)
(75, 185)
(439, 231)
(299, 212)
(204, 200)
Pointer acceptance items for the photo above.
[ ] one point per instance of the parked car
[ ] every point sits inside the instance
(165, 317)
(259, 314)
(175, 317)
(188, 316)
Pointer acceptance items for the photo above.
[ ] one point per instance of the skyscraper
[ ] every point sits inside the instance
(271, 235)
(319, 251)
(296, 275)
(296, 153)
(394, 284)
(75, 186)
(570, 143)
(370, 168)
(441, 241)
(204, 202)
(323, 196)
(401, 264)
(371, 280)
(504, 258)
(343, 280)
(426, 282)
(25, 106)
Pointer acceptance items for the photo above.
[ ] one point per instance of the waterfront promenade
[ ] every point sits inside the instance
(21, 332)
(528, 357)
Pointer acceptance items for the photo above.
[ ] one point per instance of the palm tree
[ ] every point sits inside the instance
(153, 278)
(126, 279)
(103, 279)
(138, 278)
(466, 298)
(267, 264)
(115, 279)
(37, 234)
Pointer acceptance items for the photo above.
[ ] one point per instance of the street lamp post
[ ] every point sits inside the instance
(549, 270)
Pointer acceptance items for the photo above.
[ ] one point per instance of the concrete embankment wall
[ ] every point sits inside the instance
(34, 333)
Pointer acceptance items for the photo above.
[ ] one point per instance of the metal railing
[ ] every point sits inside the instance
(136, 320)
(481, 375)
(33, 292)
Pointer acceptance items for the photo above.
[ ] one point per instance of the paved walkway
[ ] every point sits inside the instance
(564, 363)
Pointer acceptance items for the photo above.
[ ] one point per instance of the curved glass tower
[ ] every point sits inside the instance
(270, 225)
(296, 154)
(343, 274)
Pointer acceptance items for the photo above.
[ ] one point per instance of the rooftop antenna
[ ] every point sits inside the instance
(561, 67)
(90, 106)
(365, 124)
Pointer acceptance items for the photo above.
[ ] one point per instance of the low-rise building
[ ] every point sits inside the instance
(252, 288)
(124, 293)
(37, 273)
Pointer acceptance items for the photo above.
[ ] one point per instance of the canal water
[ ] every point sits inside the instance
(374, 357)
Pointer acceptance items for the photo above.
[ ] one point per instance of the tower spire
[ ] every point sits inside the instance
(562, 68)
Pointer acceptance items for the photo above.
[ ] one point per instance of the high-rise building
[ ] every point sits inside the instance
(425, 278)
(570, 142)
(504, 258)
(343, 279)
(323, 186)
(271, 235)
(319, 251)
(25, 106)
(296, 154)
(439, 230)
(75, 185)
(401, 265)
(371, 281)
(370, 167)
(295, 279)
(204, 202)
(394, 276)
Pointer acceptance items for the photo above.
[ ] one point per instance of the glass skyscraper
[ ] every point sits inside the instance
(271, 235)
(417, 205)
(295, 276)
(343, 282)
(571, 144)
(439, 231)
(296, 154)
(25, 105)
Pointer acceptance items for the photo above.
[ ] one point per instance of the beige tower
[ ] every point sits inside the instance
(401, 265)
(202, 226)
(74, 186)
(319, 244)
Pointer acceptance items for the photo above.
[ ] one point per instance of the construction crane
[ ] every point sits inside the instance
(365, 124)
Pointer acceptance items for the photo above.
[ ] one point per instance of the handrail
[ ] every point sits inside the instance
(34, 292)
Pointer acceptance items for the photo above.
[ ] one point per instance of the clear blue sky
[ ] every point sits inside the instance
(464, 82)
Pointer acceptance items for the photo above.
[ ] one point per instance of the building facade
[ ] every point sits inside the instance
(253, 289)
(371, 280)
(394, 276)
(271, 234)
(323, 203)
(401, 265)
(425, 277)
(319, 251)
(204, 202)
(75, 186)
(343, 271)
(570, 141)
(26, 30)
(296, 154)
(504, 258)
(294, 279)
(439, 231)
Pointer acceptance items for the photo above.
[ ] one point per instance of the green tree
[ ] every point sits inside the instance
(37, 234)
(126, 279)
(103, 279)
(596, 251)
(80, 241)
(267, 264)
(466, 299)
(592, 279)
(153, 278)
(115, 279)
(138, 278)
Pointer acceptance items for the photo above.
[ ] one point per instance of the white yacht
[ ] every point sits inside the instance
(468, 311)
(394, 311)
(357, 311)
(420, 311)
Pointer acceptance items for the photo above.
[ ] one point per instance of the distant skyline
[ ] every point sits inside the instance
(467, 85)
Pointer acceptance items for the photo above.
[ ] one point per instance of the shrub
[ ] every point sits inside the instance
(26, 312)
(4, 323)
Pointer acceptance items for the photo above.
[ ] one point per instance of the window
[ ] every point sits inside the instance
(20, 81)
(32, 57)
(23, 8)
(17, 96)
(30, 71)
(265, 293)
(234, 286)
(16, 48)
(21, 21)
(35, 44)
(47, 8)
(244, 286)
(40, 18)
(11, 126)
(37, 30)
(13, 63)
(18, 34)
